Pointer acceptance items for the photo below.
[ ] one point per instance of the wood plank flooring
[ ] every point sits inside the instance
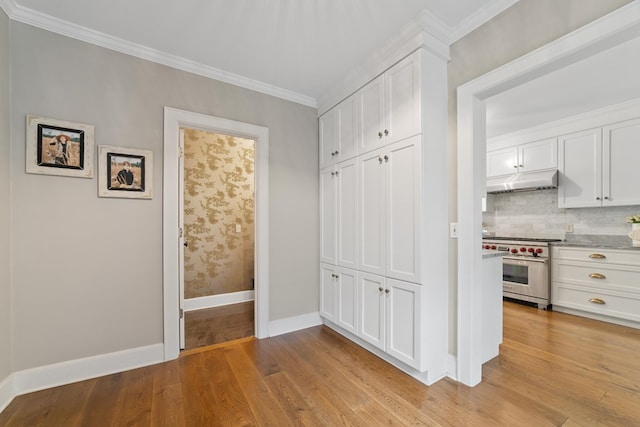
(554, 369)
(218, 324)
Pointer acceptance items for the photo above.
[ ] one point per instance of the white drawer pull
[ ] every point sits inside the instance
(597, 256)
(597, 276)
(596, 301)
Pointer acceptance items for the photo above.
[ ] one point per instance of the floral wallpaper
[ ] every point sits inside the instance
(218, 213)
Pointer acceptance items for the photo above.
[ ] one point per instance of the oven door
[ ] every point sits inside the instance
(527, 278)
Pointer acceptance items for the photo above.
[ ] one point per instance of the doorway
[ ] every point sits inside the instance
(217, 218)
(172, 245)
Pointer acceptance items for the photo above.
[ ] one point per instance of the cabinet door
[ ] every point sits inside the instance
(403, 318)
(502, 162)
(347, 293)
(327, 127)
(538, 155)
(328, 292)
(402, 99)
(371, 212)
(347, 226)
(372, 319)
(621, 151)
(346, 129)
(328, 216)
(370, 105)
(403, 209)
(580, 167)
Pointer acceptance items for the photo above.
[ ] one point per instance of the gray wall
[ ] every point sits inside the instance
(87, 271)
(5, 175)
(524, 27)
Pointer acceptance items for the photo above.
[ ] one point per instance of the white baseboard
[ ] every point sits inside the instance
(218, 300)
(295, 323)
(71, 371)
(6, 392)
(452, 367)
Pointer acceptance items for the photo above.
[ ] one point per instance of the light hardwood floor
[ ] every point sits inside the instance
(554, 369)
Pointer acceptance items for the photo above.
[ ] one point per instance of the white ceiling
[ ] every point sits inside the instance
(295, 48)
(602, 80)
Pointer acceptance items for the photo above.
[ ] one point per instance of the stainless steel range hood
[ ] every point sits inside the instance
(523, 182)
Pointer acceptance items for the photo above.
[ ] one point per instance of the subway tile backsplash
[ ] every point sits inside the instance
(536, 214)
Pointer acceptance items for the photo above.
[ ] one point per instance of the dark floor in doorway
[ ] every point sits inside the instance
(219, 324)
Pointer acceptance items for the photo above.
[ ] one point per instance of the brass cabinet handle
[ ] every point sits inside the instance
(597, 276)
(596, 301)
(597, 256)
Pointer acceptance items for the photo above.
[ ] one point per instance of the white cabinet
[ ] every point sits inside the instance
(389, 107)
(390, 209)
(595, 165)
(339, 296)
(390, 313)
(529, 157)
(337, 128)
(338, 213)
(598, 283)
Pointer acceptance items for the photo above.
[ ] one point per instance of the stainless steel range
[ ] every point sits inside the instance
(525, 270)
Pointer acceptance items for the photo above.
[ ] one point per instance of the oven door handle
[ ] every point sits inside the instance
(527, 259)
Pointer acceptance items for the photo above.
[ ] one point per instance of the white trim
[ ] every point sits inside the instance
(295, 323)
(6, 391)
(72, 371)
(191, 304)
(480, 17)
(617, 27)
(452, 367)
(597, 316)
(37, 19)
(173, 120)
(9, 7)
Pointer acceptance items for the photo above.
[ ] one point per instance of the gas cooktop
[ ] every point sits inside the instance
(522, 239)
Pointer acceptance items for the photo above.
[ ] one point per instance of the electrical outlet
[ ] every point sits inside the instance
(453, 230)
(568, 228)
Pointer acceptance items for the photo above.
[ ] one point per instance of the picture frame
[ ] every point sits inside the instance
(59, 147)
(125, 172)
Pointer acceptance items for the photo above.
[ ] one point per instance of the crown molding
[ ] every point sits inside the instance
(78, 32)
(482, 16)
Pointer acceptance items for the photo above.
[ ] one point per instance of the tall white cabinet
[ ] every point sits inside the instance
(383, 218)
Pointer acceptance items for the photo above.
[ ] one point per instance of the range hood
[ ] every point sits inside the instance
(523, 182)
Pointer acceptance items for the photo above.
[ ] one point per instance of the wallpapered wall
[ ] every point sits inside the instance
(218, 197)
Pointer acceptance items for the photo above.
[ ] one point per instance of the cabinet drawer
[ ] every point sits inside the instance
(597, 275)
(597, 255)
(608, 303)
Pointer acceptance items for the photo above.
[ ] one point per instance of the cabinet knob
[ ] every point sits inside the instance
(515, 166)
(597, 276)
(386, 132)
(337, 172)
(337, 152)
(386, 291)
(380, 289)
(597, 198)
(380, 160)
(520, 166)
(606, 197)
(597, 301)
(379, 134)
(386, 158)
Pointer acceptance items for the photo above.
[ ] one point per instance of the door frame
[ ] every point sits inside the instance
(613, 29)
(174, 119)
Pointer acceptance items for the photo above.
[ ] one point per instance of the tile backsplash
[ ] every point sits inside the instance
(536, 214)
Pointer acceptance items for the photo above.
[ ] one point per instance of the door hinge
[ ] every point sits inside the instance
(181, 313)
(180, 232)
(181, 153)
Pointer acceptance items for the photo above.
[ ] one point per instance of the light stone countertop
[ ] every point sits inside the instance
(597, 241)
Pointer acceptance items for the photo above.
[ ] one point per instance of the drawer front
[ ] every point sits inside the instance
(614, 304)
(597, 255)
(597, 275)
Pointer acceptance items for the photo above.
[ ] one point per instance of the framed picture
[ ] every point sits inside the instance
(57, 147)
(124, 172)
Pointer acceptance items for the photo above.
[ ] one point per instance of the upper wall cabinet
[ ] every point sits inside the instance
(530, 157)
(389, 106)
(595, 166)
(338, 133)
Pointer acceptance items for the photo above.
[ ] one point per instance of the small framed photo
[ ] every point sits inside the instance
(57, 147)
(124, 172)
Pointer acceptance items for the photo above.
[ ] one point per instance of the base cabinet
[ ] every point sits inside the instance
(598, 283)
(390, 316)
(338, 296)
